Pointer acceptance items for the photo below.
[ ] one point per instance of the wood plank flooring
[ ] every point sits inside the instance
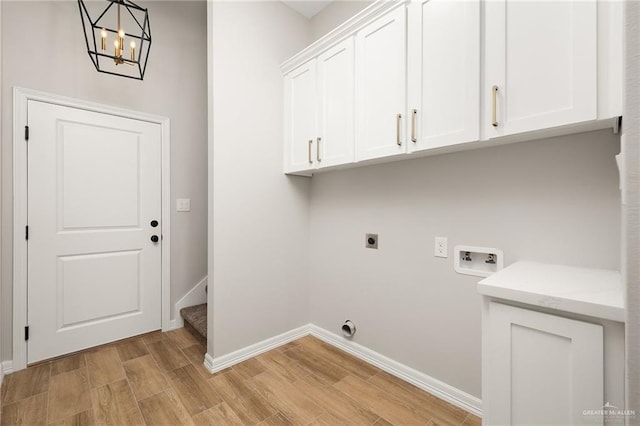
(159, 379)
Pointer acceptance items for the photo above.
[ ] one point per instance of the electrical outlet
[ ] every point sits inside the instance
(440, 248)
(371, 241)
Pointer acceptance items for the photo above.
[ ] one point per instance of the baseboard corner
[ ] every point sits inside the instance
(421, 380)
(6, 368)
(225, 361)
(209, 363)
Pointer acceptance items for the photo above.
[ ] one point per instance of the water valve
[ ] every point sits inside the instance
(478, 261)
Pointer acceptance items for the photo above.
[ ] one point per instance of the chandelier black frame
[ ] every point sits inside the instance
(95, 34)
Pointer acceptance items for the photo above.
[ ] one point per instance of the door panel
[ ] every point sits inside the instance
(542, 369)
(335, 123)
(91, 195)
(113, 290)
(381, 86)
(444, 69)
(543, 58)
(94, 275)
(300, 115)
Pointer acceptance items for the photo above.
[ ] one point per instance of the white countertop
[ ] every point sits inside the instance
(592, 292)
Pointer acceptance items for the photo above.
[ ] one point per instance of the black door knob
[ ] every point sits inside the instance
(154, 223)
(154, 238)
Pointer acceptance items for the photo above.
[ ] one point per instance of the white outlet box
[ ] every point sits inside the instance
(478, 261)
(183, 204)
(440, 247)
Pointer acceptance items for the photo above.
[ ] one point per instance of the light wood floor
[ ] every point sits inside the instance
(159, 379)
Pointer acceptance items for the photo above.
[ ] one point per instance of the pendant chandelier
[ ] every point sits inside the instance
(119, 39)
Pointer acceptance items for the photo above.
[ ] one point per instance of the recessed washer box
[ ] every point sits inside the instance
(478, 261)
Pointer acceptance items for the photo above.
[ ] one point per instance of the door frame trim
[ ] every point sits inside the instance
(21, 96)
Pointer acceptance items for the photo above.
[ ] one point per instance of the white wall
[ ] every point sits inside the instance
(631, 218)
(1, 317)
(260, 217)
(335, 14)
(43, 48)
(554, 200)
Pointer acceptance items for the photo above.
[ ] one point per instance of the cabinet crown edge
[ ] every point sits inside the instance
(342, 31)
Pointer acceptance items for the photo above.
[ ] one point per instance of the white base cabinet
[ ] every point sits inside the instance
(553, 346)
(541, 369)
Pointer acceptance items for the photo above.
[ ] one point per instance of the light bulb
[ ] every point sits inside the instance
(121, 33)
(116, 44)
(103, 33)
(132, 53)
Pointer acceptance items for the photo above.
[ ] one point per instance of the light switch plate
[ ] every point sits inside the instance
(183, 204)
(440, 247)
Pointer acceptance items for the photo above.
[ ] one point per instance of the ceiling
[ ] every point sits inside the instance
(307, 8)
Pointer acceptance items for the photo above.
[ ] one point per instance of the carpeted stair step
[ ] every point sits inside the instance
(195, 320)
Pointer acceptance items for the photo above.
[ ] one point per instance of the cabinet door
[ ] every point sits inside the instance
(336, 108)
(300, 99)
(542, 369)
(443, 73)
(381, 86)
(541, 56)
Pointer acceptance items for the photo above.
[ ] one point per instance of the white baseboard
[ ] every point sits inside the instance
(225, 361)
(196, 296)
(5, 368)
(423, 381)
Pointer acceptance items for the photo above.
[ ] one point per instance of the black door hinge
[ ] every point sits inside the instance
(26, 232)
(26, 133)
(26, 333)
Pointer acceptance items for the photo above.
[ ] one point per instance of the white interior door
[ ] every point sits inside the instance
(94, 188)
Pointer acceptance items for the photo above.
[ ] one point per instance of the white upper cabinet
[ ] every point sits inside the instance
(319, 111)
(335, 105)
(443, 73)
(430, 76)
(300, 97)
(381, 86)
(541, 65)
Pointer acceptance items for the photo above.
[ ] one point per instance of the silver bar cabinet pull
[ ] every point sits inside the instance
(414, 113)
(494, 114)
(318, 149)
(398, 122)
(310, 143)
